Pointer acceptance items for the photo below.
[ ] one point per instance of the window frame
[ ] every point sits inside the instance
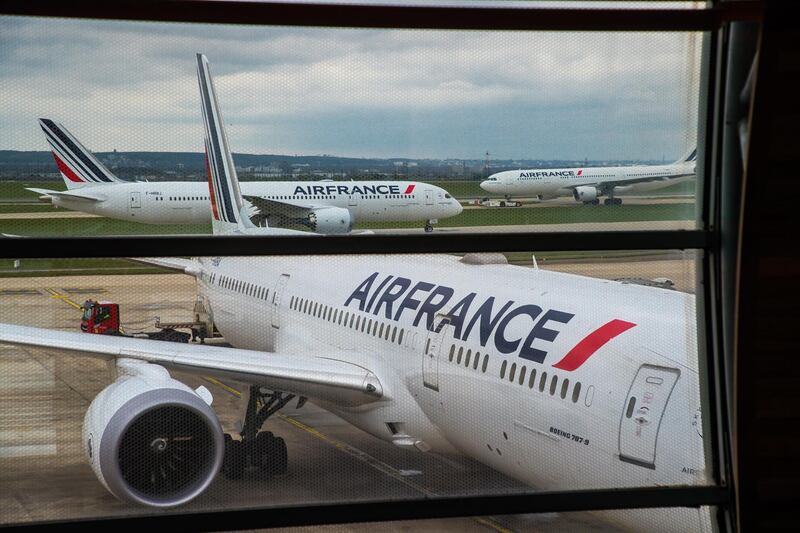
(715, 20)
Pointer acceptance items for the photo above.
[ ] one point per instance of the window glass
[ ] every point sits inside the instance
(460, 131)
(576, 392)
(525, 82)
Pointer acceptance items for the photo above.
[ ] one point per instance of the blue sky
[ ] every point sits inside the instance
(371, 93)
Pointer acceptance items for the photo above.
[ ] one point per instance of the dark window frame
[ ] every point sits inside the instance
(715, 20)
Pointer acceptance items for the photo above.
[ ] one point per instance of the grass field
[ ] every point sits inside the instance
(67, 267)
(16, 189)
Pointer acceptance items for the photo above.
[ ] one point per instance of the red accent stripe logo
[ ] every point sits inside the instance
(591, 343)
(211, 190)
(409, 189)
(71, 176)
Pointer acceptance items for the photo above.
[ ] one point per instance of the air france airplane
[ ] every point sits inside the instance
(321, 206)
(513, 367)
(587, 185)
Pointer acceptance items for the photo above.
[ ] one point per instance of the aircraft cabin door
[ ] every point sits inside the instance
(276, 300)
(135, 201)
(428, 196)
(430, 355)
(642, 413)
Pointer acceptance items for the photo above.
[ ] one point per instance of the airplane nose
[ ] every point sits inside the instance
(457, 207)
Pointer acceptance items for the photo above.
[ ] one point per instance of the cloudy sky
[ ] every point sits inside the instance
(361, 93)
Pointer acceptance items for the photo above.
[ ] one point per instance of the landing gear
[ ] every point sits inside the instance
(429, 225)
(612, 201)
(258, 449)
(592, 202)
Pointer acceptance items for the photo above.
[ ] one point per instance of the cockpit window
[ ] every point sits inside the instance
(447, 195)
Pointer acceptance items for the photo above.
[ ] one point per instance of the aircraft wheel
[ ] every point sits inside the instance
(260, 449)
(280, 457)
(428, 228)
(270, 453)
(234, 461)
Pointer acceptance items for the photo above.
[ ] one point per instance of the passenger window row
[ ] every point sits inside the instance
(348, 319)
(235, 285)
(186, 198)
(469, 359)
(542, 386)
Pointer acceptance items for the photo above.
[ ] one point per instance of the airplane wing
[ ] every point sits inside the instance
(67, 194)
(607, 185)
(275, 207)
(186, 266)
(327, 376)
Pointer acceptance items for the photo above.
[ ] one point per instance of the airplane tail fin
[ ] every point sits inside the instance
(229, 210)
(78, 166)
(688, 157)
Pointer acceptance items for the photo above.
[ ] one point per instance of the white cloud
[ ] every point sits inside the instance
(132, 86)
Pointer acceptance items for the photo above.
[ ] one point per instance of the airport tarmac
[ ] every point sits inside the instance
(43, 399)
(643, 225)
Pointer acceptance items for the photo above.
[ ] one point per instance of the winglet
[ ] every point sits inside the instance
(78, 166)
(229, 211)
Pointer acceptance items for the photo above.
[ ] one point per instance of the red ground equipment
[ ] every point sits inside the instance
(103, 318)
(100, 317)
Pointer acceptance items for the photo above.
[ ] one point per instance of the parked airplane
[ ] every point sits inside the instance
(321, 206)
(511, 366)
(587, 185)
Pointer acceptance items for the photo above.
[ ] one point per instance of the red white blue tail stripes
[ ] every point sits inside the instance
(226, 199)
(77, 164)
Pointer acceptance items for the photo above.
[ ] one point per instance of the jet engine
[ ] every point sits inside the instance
(585, 193)
(330, 220)
(152, 440)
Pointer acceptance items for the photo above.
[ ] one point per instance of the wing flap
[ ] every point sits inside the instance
(275, 207)
(328, 377)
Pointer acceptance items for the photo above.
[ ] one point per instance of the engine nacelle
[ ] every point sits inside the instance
(585, 193)
(329, 220)
(150, 439)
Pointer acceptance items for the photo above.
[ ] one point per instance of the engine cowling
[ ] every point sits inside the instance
(585, 193)
(151, 439)
(330, 220)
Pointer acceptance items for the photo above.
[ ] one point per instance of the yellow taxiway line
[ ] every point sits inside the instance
(360, 455)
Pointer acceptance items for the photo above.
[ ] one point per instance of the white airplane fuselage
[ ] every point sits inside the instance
(553, 182)
(468, 387)
(188, 202)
